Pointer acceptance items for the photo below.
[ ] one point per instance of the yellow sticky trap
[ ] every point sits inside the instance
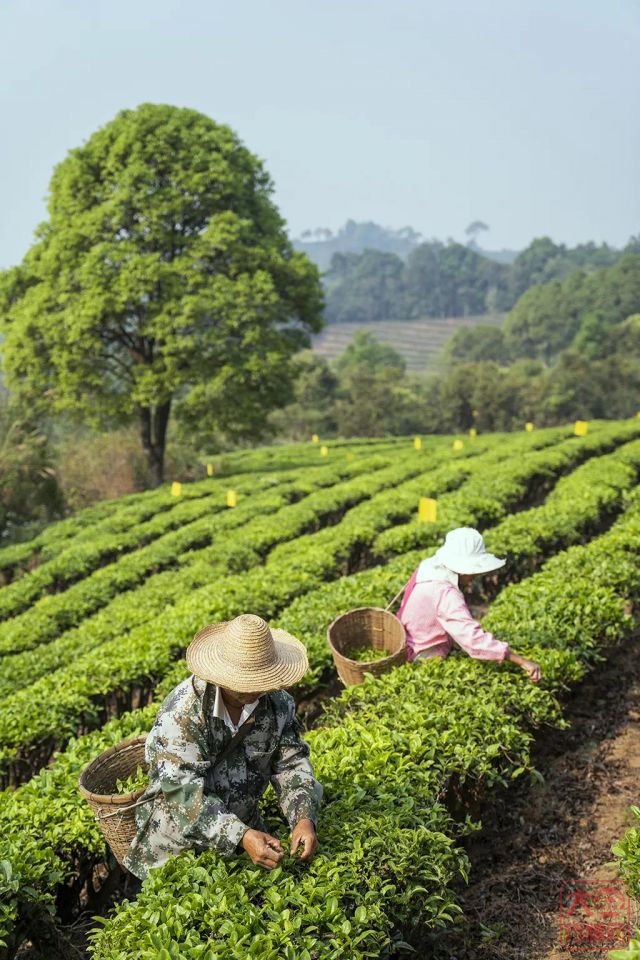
(176, 488)
(473, 432)
(528, 426)
(458, 444)
(232, 499)
(427, 510)
(209, 469)
(324, 451)
(315, 438)
(581, 428)
(417, 443)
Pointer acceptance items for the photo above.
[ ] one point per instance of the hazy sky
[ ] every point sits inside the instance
(521, 113)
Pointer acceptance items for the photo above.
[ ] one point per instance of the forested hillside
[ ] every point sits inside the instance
(449, 279)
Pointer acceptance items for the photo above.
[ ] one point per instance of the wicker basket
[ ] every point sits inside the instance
(371, 627)
(115, 812)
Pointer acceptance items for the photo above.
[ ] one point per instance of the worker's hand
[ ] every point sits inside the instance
(530, 667)
(304, 833)
(532, 670)
(265, 850)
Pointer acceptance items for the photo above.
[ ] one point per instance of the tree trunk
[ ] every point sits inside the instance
(153, 427)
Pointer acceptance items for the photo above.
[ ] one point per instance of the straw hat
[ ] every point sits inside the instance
(464, 552)
(247, 656)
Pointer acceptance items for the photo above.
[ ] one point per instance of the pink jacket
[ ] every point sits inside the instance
(435, 615)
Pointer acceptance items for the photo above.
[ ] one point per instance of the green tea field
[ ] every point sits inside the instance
(97, 610)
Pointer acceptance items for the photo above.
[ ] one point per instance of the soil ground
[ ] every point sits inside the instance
(535, 838)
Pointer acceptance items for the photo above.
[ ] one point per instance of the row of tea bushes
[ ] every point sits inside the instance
(50, 818)
(307, 499)
(387, 762)
(579, 506)
(192, 569)
(504, 489)
(582, 507)
(230, 470)
(186, 525)
(82, 556)
(120, 513)
(114, 674)
(76, 693)
(110, 516)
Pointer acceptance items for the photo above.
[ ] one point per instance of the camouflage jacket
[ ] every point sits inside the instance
(194, 805)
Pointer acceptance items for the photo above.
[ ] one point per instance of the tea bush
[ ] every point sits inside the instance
(390, 846)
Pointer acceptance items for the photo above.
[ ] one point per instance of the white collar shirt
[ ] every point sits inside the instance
(220, 711)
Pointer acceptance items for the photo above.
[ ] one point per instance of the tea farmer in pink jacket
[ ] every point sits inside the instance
(433, 609)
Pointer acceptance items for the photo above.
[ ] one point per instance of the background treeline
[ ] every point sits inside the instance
(449, 279)
(569, 349)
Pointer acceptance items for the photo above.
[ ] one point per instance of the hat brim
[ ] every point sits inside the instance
(205, 658)
(485, 563)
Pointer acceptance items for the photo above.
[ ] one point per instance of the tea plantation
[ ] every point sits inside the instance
(96, 612)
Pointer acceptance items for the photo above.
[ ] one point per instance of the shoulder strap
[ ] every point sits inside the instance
(237, 738)
(391, 602)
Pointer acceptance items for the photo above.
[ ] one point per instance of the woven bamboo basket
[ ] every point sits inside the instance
(115, 812)
(366, 627)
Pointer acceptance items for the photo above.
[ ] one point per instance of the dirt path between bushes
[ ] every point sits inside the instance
(535, 838)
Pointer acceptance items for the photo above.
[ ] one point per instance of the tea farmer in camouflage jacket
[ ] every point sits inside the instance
(202, 799)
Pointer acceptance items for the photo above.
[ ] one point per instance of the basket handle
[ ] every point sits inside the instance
(129, 806)
(401, 590)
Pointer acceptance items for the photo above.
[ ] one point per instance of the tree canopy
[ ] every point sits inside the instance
(449, 279)
(548, 316)
(162, 280)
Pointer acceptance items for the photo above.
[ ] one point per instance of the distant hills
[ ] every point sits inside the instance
(321, 244)
(435, 278)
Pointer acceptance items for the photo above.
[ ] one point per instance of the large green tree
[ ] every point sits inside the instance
(162, 280)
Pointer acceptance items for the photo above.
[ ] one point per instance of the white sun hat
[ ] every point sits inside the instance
(464, 552)
(247, 656)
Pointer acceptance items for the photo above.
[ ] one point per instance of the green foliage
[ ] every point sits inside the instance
(30, 495)
(355, 238)
(377, 773)
(445, 280)
(329, 399)
(512, 480)
(389, 846)
(365, 287)
(299, 562)
(479, 343)
(367, 654)
(163, 276)
(138, 780)
(365, 351)
(314, 394)
(548, 316)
